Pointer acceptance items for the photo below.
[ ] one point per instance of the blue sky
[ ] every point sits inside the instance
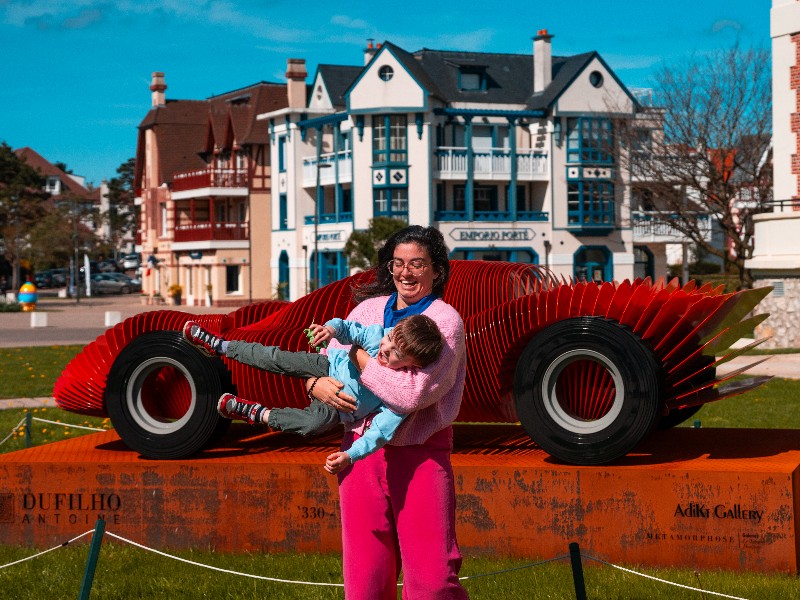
(75, 73)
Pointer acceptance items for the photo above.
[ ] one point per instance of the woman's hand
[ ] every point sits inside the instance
(337, 461)
(327, 391)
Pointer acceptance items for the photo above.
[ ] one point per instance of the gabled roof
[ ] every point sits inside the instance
(509, 77)
(426, 77)
(338, 79)
(180, 128)
(185, 129)
(245, 104)
(565, 70)
(46, 168)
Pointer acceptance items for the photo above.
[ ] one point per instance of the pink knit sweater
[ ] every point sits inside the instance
(432, 395)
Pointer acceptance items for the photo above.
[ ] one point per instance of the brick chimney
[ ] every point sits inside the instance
(296, 82)
(542, 61)
(369, 51)
(158, 87)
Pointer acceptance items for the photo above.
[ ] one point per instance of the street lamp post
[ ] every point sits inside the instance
(318, 189)
(15, 275)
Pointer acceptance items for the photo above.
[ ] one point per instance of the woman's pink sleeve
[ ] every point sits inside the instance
(407, 390)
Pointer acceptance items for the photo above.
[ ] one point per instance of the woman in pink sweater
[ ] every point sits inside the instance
(398, 505)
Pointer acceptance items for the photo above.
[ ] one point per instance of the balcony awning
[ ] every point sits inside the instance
(488, 112)
(318, 122)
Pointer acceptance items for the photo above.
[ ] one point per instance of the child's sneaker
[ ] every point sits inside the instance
(204, 340)
(233, 407)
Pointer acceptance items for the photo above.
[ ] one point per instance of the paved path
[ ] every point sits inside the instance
(71, 323)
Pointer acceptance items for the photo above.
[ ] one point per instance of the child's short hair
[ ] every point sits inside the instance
(418, 337)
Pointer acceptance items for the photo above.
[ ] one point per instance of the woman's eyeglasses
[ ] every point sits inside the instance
(415, 267)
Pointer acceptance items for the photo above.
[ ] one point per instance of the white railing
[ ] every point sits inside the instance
(491, 163)
(327, 176)
(655, 227)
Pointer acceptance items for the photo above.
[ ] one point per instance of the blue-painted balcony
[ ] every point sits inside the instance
(341, 169)
(491, 164)
(342, 217)
(492, 216)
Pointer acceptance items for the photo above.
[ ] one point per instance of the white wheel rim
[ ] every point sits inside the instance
(133, 397)
(554, 408)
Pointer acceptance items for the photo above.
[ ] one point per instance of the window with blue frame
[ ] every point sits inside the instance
(497, 254)
(346, 208)
(590, 140)
(283, 212)
(389, 139)
(593, 263)
(332, 267)
(282, 155)
(590, 204)
(472, 79)
(283, 276)
(390, 202)
(484, 196)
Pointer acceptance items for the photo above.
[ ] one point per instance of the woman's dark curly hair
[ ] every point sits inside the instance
(429, 238)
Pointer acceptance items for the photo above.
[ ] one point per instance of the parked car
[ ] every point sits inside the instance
(107, 283)
(589, 369)
(130, 262)
(60, 277)
(134, 282)
(107, 266)
(43, 279)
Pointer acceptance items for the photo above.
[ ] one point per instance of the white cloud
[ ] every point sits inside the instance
(722, 24)
(75, 14)
(349, 22)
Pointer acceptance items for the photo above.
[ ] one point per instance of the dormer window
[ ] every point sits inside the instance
(53, 185)
(472, 79)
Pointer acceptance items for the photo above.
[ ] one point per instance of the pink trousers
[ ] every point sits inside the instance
(398, 511)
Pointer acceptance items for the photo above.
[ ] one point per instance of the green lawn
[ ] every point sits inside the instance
(125, 571)
(32, 372)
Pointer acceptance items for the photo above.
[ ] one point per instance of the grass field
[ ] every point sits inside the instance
(128, 572)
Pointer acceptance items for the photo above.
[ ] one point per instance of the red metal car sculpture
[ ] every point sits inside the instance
(588, 369)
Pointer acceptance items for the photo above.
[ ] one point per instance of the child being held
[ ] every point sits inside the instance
(414, 342)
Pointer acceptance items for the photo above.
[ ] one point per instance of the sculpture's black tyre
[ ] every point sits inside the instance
(587, 390)
(162, 395)
(678, 416)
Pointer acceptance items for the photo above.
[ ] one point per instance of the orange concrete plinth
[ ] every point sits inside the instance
(707, 498)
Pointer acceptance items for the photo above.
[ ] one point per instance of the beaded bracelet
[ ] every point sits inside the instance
(311, 389)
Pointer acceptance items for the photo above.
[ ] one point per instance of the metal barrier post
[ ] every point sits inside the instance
(91, 562)
(577, 571)
(28, 429)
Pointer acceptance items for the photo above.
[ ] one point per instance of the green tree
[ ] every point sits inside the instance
(362, 246)
(21, 207)
(122, 216)
(61, 232)
(703, 151)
